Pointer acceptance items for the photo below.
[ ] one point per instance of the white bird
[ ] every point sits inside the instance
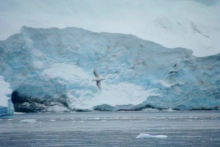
(97, 79)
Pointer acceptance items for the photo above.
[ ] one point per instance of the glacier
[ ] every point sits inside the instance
(161, 21)
(54, 68)
(6, 106)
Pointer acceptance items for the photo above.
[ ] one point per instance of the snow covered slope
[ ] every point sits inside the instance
(57, 64)
(6, 107)
(193, 24)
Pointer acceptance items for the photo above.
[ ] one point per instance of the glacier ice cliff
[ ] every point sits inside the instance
(6, 106)
(56, 66)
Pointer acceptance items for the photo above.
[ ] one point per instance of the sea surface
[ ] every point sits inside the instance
(111, 129)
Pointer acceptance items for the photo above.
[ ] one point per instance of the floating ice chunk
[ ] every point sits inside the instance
(10, 119)
(97, 118)
(161, 118)
(143, 135)
(172, 117)
(18, 113)
(28, 121)
(52, 120)
(125, 118)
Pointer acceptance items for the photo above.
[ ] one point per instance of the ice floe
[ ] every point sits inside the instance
(28, 121)
(143, 135)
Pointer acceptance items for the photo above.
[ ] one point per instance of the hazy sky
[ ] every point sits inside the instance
(172, 23)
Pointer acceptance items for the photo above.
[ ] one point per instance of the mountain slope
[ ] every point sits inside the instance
(192, 24)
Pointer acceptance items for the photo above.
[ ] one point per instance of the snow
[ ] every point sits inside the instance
(143, 136)
(5, 92)
(172, 23)
(164, 83)
(115, 94)
(168, 85)
(38, 64)
(28, 121)
(67, 72)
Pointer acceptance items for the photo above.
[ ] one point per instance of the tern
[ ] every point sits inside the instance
(97, 79)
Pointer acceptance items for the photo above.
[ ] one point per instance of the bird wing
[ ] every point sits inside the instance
(98, 83)
(95, 73)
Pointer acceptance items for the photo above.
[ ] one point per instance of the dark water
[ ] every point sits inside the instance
(111, 129)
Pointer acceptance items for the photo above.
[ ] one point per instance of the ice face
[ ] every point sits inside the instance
(58, 64)
(5, 92)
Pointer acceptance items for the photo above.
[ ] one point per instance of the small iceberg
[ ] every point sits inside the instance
(143, 135)
(28, 121)
(18, 113)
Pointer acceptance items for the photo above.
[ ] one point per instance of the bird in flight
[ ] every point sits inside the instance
(97, 79)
